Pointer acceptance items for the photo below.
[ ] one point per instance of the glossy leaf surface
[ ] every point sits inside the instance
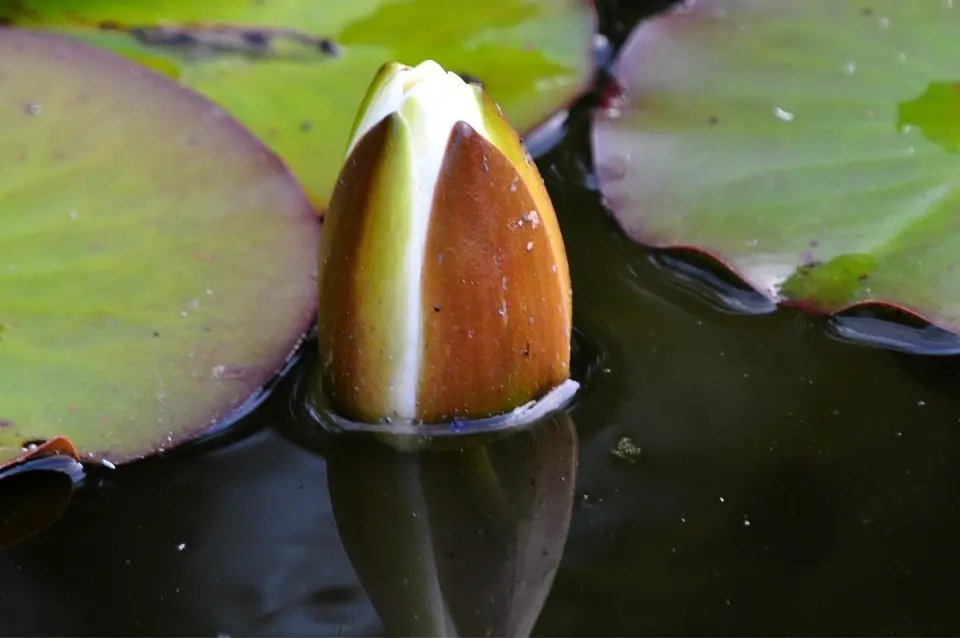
(294, 71)
(157, 263)
(808, 144)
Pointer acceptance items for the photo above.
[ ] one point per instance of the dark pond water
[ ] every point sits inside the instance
(741, 471)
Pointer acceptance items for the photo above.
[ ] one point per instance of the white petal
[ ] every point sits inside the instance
(431, 108)
(429, 101)
(392, 92)
(388, 98)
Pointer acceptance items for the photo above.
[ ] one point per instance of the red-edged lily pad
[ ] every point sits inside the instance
(36, 450)
(811, 145)
(157, 262)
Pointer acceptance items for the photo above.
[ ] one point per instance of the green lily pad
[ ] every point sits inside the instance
(294, 71)
(157, 262)
(811, 145)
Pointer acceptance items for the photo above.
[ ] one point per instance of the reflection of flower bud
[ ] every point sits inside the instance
(444, 286)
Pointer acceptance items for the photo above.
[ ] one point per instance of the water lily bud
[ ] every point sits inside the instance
(444, 285)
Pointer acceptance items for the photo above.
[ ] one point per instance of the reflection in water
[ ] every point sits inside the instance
(886, 328)
(710, 282)
(33, 495)
(459, 540)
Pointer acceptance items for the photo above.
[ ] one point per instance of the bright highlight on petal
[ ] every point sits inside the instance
(444, 285)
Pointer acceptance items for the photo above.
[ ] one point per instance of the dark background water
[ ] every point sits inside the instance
(787, 483)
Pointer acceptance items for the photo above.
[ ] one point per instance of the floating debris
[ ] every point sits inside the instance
(627, 450)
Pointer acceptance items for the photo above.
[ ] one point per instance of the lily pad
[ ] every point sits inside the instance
(294, 71)
(157, 262)
(36, 450)
(811, 145)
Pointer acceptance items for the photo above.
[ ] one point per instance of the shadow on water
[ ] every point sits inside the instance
(740, 473)
(460, 541)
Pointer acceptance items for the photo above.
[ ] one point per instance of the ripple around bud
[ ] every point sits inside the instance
(411, 435)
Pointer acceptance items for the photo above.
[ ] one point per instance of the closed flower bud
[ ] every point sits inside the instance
(444, 285)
